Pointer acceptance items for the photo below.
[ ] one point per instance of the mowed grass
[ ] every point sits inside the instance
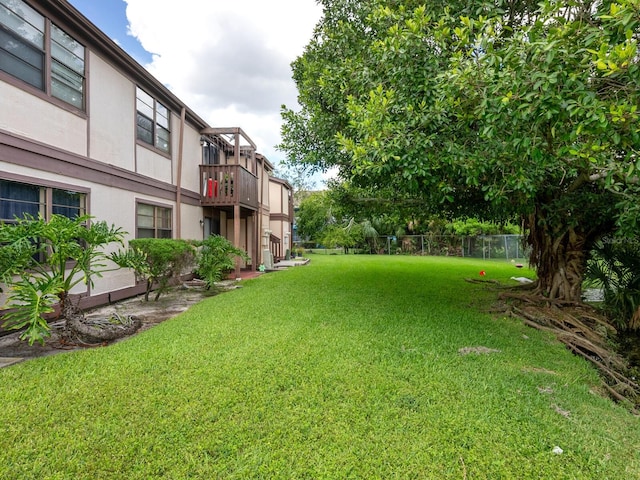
(348, 367)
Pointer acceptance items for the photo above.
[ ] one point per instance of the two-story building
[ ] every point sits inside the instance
(86, 129)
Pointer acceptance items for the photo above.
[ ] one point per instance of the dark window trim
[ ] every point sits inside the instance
(154, 122)
(49, 186)
(153, 148)
(142, 201)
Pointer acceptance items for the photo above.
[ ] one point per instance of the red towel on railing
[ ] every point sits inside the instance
(209, 187)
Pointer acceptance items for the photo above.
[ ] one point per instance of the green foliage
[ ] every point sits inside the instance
(491, 110)
(614, 266)
(355, 372)
(36, 298)
(342, 236)
(313, 216)
(298, 177)
(157, 261)
(473, 226)
(216, 257)
(41, 262)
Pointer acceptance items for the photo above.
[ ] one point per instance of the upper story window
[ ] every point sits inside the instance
(152, 121)
(67, 67)
(27, 39)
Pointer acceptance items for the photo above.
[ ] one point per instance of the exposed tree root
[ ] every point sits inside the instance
(78, 330)
(99, 332)
(586, 334)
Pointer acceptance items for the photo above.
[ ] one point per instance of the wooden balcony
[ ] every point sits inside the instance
(227, 186)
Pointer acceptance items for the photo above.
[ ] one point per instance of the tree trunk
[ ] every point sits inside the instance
(558, 255)
(76, 329)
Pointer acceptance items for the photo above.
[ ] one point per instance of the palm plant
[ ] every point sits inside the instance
(614, 266)
(216, 257)
(42, 261)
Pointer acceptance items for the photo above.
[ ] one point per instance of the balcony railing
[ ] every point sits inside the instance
(228, 185)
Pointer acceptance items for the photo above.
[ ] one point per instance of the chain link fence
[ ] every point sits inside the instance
(505, 247)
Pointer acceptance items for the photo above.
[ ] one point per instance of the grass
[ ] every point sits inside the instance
(345, 368)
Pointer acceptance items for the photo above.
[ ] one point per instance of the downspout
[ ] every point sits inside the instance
(179, 175)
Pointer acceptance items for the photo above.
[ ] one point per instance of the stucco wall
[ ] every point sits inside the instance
(112, 115)
(35, 118)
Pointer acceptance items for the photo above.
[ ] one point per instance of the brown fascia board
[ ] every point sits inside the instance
(61, 11)
(281, 181)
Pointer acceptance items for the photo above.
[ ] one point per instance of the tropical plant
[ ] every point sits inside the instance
(614, 266)
(157, 261)
(216, 257)
(42, 261)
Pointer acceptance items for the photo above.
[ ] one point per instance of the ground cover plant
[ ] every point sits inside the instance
(349, 367)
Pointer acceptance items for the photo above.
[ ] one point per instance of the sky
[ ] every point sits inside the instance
(229, 61)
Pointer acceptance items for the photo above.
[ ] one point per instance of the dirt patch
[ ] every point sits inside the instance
(477, 350)
(170, 304)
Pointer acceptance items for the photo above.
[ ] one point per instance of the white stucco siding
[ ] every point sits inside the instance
(191, 159)
(191, 227)
(112, 108)
(115, 206)
(152, 164)
(265, 194)
(30, 116)
(275, 197)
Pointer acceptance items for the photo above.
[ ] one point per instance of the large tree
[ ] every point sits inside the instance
(499, 108)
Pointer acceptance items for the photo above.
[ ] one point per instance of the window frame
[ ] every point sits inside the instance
(158, 116)
(155, 228)
(45, 203)
(46, 88)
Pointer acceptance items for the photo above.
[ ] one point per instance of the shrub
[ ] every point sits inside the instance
(157, 261)
(216, 258)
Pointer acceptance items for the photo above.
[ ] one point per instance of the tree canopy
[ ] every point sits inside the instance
(491, 109)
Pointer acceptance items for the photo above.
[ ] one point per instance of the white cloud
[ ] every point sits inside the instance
(229, 61)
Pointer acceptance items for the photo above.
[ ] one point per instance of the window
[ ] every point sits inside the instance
(210, 154)
(67, 68)
(24, 36)
(152, 121)
(18, 199)
(153, 221)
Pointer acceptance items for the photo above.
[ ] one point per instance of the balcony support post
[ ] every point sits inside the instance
(236, 235)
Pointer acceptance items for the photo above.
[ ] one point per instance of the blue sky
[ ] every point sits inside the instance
(110, 17)
(228, 60)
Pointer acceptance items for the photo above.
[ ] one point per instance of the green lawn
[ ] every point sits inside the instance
(348, 367)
